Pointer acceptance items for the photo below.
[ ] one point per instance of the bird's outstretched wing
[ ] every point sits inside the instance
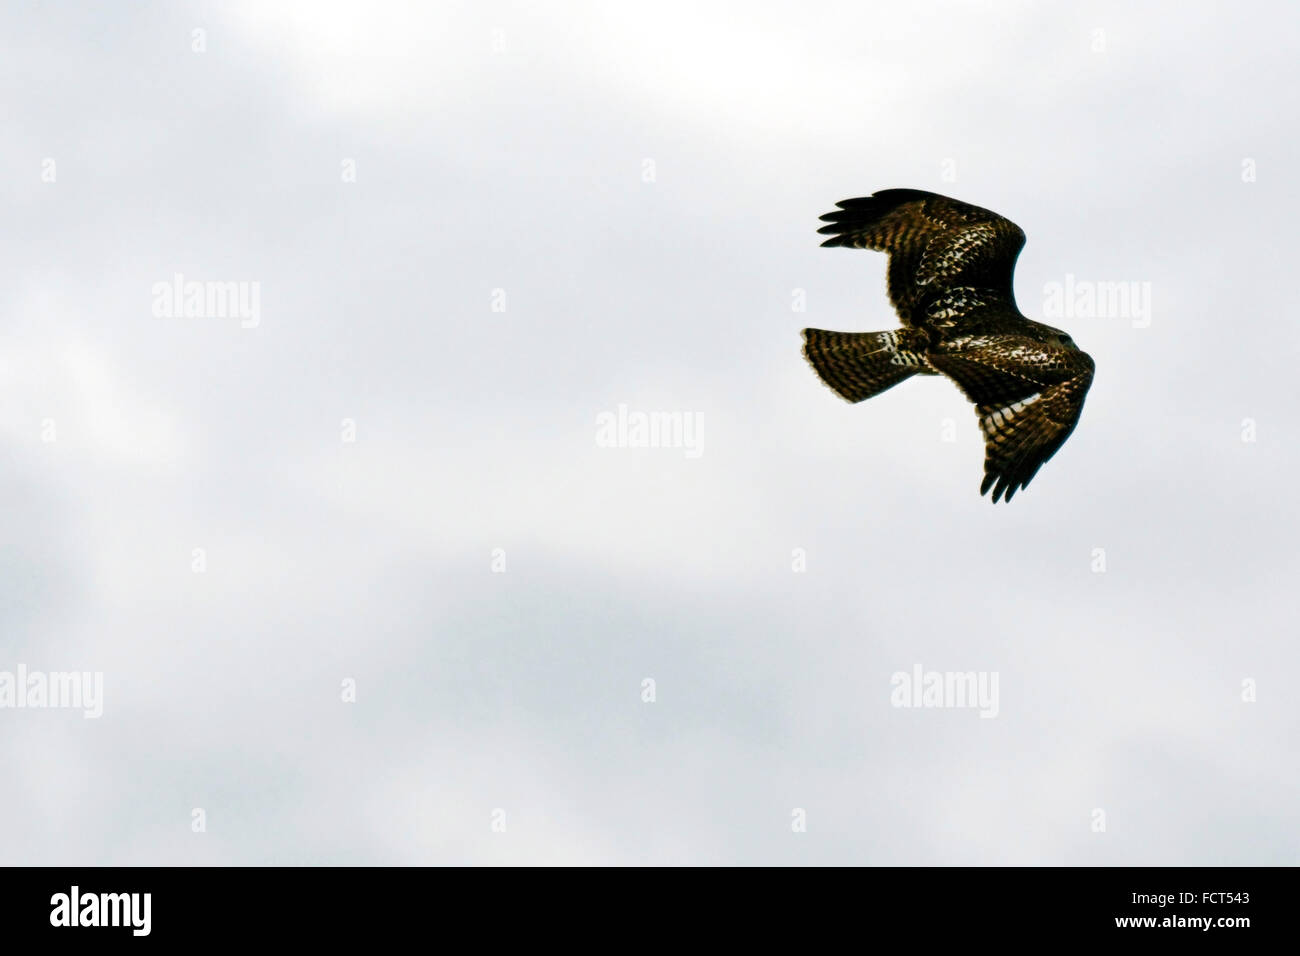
(1028, 396)
(934, 244)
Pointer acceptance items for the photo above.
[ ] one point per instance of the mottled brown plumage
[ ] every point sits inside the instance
(950, 270)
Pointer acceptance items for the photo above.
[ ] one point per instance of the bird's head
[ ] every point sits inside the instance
(1058, 337)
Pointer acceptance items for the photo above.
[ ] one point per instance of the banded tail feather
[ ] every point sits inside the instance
(858, 365)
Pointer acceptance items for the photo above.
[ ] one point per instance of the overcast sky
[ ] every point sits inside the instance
(472, 230)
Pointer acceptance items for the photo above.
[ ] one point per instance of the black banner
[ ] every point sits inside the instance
(334, 905)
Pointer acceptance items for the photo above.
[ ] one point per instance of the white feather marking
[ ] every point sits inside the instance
(1001, 417)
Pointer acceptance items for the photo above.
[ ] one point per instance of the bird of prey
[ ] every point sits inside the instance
(950, 267)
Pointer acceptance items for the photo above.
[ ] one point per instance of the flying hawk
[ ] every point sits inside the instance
(950, 267)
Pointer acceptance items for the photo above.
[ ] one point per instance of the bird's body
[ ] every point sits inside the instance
(950, 272)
